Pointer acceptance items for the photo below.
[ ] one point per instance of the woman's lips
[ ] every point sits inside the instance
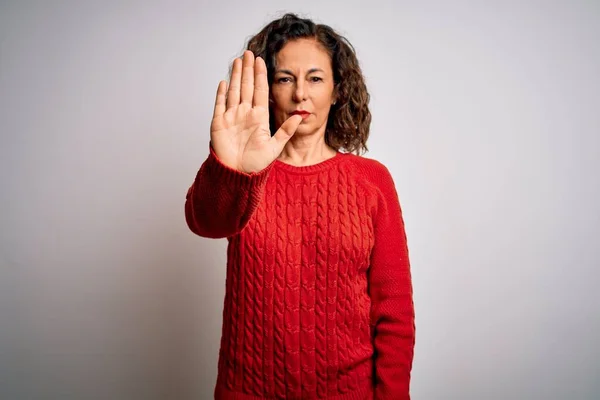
(303, 114)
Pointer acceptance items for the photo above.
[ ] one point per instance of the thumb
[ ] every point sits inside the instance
(285, 132)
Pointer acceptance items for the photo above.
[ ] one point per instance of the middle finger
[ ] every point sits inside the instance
(247, 77)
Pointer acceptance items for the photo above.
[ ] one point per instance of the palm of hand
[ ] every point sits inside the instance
(240, 133)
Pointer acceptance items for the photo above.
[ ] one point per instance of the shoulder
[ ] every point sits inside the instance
(371, 171)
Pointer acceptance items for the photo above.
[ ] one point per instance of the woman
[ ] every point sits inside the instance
(318, 297)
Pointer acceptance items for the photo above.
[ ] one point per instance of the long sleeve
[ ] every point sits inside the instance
(221, 199)
(390, 288)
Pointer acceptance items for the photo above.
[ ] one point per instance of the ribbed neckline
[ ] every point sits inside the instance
(309, 169)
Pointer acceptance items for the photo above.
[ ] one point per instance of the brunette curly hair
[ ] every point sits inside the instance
(349, 118)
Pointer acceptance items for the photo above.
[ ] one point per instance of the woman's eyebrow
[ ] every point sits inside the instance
(287, 71)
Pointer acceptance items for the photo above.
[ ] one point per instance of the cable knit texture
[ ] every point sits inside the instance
(318, 301)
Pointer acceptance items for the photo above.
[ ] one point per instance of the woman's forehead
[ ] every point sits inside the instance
(303, 54)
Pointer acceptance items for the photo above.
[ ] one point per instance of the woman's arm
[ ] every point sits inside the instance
(221, 200)
(390, 288)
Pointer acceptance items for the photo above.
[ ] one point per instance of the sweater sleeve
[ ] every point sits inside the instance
(390, 288)
(221, 200)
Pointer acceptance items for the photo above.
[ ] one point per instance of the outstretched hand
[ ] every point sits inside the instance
(239, 131)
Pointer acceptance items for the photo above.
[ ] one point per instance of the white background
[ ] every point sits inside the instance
(487, 114)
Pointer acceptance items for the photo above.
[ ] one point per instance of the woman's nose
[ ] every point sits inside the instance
(299, 92)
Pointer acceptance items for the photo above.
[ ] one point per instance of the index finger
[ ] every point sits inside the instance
(261, 84)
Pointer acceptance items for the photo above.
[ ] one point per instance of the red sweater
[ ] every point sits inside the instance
(318, 300)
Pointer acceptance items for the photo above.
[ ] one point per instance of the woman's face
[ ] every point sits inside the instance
(303, 80)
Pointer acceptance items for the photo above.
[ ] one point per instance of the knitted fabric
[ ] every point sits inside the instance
(318, 300)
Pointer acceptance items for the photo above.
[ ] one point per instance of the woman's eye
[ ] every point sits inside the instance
(316, 79)
(283, 80)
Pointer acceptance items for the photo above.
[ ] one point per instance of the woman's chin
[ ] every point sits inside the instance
(306, 128)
